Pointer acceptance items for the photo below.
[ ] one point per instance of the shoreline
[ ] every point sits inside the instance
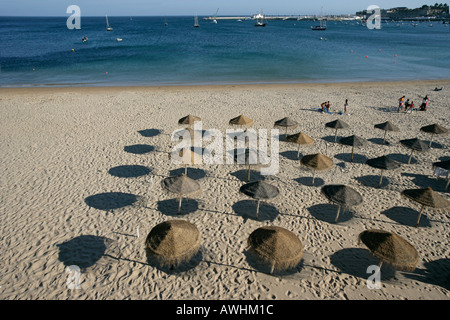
(56, 88)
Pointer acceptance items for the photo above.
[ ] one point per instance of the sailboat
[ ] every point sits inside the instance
(259, 20)
(108, 27)
(321, 26)
(196, 25)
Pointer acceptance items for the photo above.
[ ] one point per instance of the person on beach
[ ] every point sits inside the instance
(407, 105)
(328, 106)
(401, 101)
(345, 106)
(424, 105)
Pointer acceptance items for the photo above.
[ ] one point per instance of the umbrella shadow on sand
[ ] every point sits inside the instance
(355, 261)
(112, 200)
(308, 181)
(247, 210)
(327, 213)
(433, 272)
(291, 155)
(129, 171)
(169, 207)
(402, 158)
(406, 216)
(193, 173)
(149, 133)
(379, 141)
(83, 251)
(373, 181)
(242, 175)
(424, 181)
(347, 157)
(139, 149)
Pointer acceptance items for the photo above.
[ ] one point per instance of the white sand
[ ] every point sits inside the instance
(61, 155)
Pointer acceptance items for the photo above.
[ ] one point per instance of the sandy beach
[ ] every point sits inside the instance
(81, 171)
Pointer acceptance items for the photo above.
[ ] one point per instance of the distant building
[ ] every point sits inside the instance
(437, 11)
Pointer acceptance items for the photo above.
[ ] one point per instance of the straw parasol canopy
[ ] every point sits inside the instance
(391, 249)
(337, 124)
(181, 185)
(426, 197)
(241, 121)
(353, 141)
(173, 242)
(279, 247)
(434, 129)
(387, 126)
(259, 190)
(189, 120)
(317, 162)
(383, 163)
(286, 123)
(342, 195)
(300, 139)
(415, 145)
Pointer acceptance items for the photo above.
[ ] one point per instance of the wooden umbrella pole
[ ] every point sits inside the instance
(298, 152)
(384, 138)
(418, 218)
(337, 215)
(248, 177)
(448, 182)
(353, 148)
(185, 169)
(335, 136)
(410, 156)
(272, 267)
(381, 178)
(314, 173)
(431, 140)
(257, 208)
(179, 205)
(285, 136)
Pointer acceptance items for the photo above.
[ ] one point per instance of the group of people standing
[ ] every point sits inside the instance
(409, 106)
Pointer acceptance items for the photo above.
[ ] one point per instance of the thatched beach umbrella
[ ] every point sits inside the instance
(383, 163)
(443, 165)
(434, 129)
(337, 124)
(189, 120)
(279, 247)
(300, 139)
(173, 242)
(343, 196)
(241, 121)
(353, 141)
(181, 185)
(391, 249)
(259, 190)
(387, 126)
(317, 162)
(426, 197)
(286, 123)
(415, 145)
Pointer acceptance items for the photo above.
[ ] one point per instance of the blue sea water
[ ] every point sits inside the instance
(42, 51)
